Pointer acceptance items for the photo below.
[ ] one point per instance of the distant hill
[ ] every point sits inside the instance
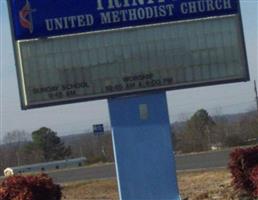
(235, 117)
(74, 138)
(230, 118)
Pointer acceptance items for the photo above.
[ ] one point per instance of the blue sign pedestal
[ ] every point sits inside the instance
(145, 163)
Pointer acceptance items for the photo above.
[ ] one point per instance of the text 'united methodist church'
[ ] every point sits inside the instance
(122, 11)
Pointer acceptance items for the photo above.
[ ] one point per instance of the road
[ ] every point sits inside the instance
(84, 173)
(208, 160)
(198, 161)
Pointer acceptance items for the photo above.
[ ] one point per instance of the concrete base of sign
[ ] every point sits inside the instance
(143, 150)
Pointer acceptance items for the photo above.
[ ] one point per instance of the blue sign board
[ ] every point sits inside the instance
(145, 163)
(44, 18)
(98, 128)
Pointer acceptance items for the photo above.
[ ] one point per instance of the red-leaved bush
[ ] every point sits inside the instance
(243, 166)
(40, 187)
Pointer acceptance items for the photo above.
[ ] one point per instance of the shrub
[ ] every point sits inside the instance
(40, 187)
(243, 166)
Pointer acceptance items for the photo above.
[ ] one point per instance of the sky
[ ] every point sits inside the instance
(79, 117)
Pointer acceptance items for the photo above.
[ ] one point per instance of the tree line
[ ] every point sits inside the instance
(44, 145)
(199, 133)
(202, 132)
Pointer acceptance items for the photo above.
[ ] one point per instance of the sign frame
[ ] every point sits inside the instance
(21, 78)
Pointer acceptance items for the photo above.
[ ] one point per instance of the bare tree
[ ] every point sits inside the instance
(16, 136)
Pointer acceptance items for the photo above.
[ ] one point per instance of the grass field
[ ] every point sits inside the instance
(204, 185)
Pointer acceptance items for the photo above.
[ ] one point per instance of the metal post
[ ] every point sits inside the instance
(145, 163)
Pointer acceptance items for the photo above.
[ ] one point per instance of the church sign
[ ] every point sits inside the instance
(76, 50)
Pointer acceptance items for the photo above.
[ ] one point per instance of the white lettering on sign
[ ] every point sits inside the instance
(201, 6)
(69, 22)
(137, 14)
(117, 11)
(112, 4)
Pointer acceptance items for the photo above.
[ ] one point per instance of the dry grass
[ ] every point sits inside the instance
(91, 190)
(206, 185)
(210, 185)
